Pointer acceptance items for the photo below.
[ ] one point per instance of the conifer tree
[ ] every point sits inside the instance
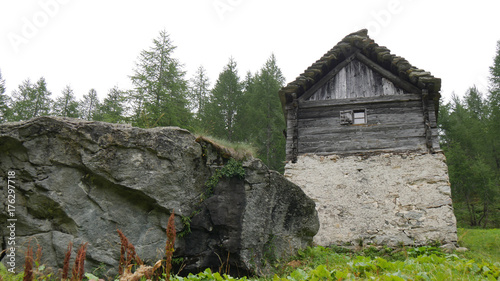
(245, 127)
(262, 118)
(199, 88)
(112, 109)
(221, 112)
(66, 105)
(495, 71)
(43, 102)
(31, 100)
(89, 105)
(159, 97)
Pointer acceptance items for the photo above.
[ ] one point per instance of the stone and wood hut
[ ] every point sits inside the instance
(362, 141)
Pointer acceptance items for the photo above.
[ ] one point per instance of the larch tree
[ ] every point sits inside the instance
(31, 100)
(199, 90)
(245, 130)
(22, 101)
(112, 109)
(88, 105)
(263, 119)
(495, 71)
(221, 112)
(66, 105)
(43, 102)
(159, 97)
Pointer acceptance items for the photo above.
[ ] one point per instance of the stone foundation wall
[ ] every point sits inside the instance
(383, 199)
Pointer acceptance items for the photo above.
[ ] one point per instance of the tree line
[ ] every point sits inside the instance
(470, 138)
(235, 109)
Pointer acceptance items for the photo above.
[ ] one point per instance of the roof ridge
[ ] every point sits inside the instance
(360, 41)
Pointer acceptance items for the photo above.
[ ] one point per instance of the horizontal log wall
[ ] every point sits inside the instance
(393, 124)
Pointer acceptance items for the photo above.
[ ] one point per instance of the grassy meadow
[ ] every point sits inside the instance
(480, 262)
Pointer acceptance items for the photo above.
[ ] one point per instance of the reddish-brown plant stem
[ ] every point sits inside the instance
(38, 255)
(81, 265)
(129, 257)
(74, 271)
(78, 267)
(127, 254)
(123, 251)
(28, 265)
(133, 254)
(67, 257)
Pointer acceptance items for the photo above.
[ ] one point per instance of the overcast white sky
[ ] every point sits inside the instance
(94, 44)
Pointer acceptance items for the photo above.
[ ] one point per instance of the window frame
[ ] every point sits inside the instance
(362, 118)
(348, 117)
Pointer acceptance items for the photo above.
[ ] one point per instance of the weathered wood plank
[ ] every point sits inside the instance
(354, 80)
(360, 145)
(387, 134)
(369, 131)
(427, 122)
(407, 86)
(361, 101)
(366, 143)
(432, 114)
(390, 118)
(325, 79)
(402, 149)
(388, 105)
(348, 146)
(435, 139)
(370, 111)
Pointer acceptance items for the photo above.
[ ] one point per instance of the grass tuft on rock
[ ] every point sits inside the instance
(237, 150)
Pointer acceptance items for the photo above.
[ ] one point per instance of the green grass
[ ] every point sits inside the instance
(422, 263)
(227, 149)
(481, 262)
(483, 244)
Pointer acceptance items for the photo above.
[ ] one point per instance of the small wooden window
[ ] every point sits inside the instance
(359, 117)
(353, 117)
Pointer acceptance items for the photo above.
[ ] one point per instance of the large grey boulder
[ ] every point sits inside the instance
(80, 181)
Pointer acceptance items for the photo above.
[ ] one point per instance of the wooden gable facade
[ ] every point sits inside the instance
(359, 98)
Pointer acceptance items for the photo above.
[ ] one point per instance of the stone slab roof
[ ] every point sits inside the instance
(360, 42)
